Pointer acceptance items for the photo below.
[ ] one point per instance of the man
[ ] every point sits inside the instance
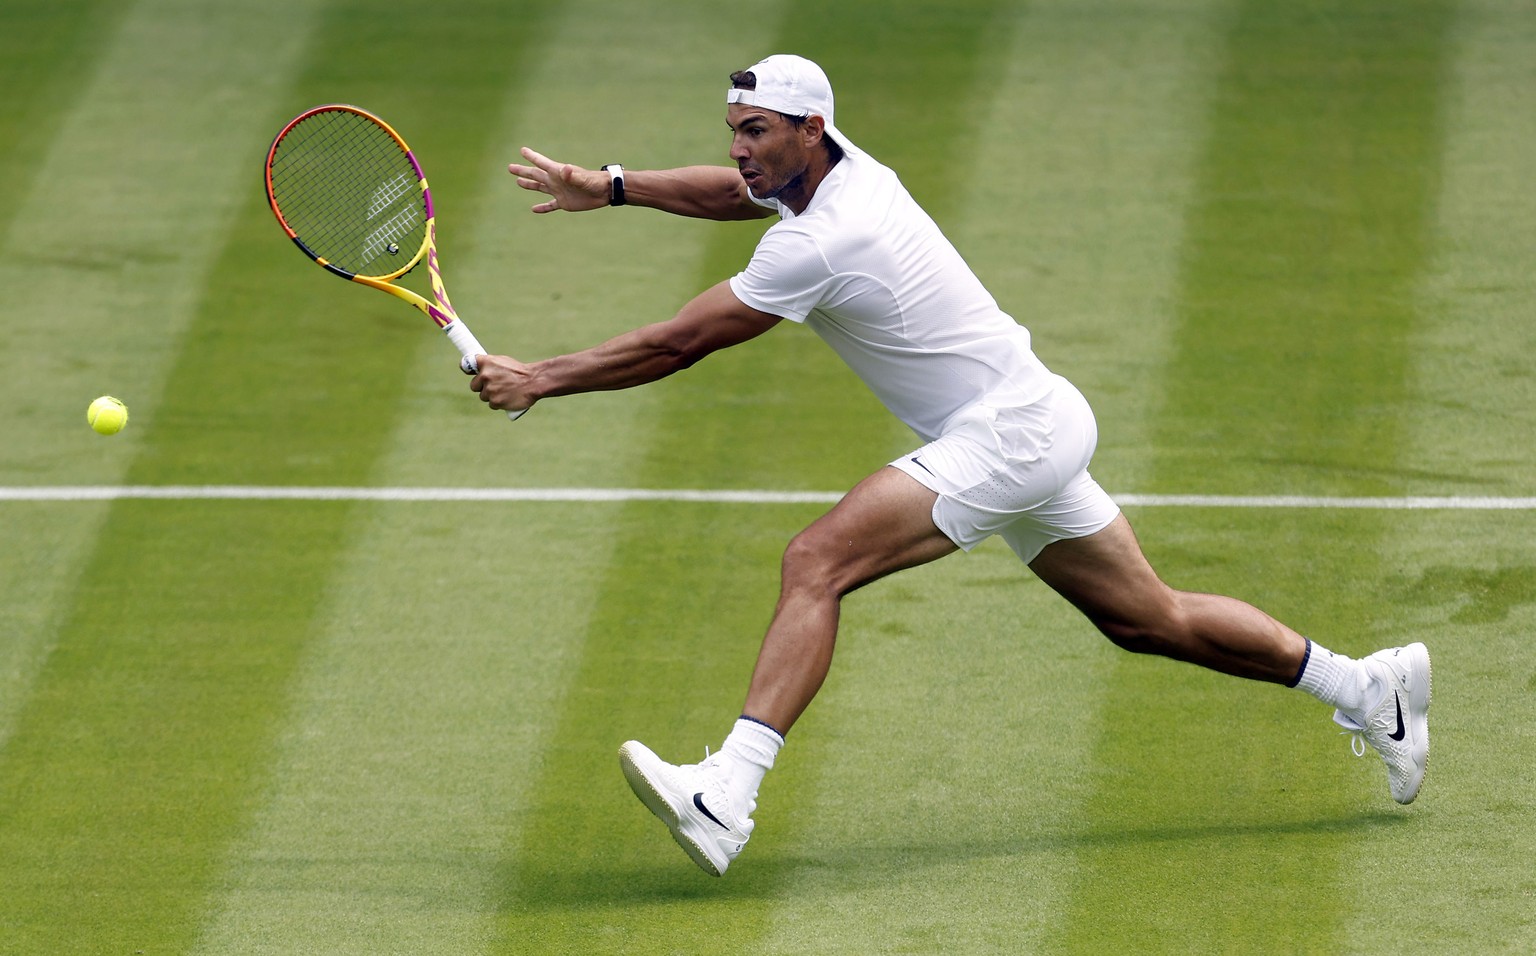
(1007, 444)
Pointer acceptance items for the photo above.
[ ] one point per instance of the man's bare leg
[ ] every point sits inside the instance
(1383, 698)
(883, 525)
(1106, 576)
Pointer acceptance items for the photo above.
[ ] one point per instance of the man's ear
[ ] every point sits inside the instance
(812, 130)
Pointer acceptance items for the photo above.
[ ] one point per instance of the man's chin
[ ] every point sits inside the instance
(753, 187)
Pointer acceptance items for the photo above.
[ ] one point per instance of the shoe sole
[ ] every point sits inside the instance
(1419, 699)
(657, 802)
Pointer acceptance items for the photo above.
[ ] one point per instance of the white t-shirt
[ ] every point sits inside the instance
(871, 273)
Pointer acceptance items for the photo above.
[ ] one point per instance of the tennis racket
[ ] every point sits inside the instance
(349, 193)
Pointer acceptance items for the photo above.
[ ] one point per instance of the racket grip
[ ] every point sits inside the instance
(469, 346)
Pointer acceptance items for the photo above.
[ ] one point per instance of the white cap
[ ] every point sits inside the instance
(794, 86)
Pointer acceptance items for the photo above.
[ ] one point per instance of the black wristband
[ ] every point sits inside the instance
(616, 178)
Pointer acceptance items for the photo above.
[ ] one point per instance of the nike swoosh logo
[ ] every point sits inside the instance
(698, 801)
(1399, 734)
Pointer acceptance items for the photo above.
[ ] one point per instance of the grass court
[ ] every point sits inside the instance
(1284, 246)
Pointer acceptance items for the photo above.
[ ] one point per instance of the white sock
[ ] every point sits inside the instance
(749, 753)
(1338, 680)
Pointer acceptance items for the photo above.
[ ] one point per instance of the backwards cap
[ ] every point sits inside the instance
(794, 86)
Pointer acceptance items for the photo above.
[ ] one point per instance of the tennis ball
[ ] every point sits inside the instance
(107, 415)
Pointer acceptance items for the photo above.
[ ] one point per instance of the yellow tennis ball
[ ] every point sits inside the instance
(107, 415)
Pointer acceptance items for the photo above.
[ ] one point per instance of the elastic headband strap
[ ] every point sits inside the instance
(749, 98)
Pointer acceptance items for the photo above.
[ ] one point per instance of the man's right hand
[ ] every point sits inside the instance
(502, 382)
(569, 187)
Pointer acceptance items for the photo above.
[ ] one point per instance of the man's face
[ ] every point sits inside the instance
(770, 151)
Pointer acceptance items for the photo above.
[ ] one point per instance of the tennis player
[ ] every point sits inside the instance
(1005, 444)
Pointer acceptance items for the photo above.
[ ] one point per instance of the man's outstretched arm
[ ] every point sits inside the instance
(701, 192)
(714, 320)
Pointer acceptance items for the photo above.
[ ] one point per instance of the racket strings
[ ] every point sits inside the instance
(350, 193)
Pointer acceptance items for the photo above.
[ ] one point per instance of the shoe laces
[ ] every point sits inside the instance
(1354, 730)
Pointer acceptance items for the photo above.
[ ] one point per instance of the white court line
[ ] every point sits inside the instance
(296, 493)
(299, 493)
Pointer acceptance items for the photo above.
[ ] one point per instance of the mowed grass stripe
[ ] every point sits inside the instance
(405, 695)
(584, 868)
(419, 714)
(46, 54)
(94, 792)
(110, 246)
(132, 765)
(131, 171)
(108, 260)
(1472, 375)
(1301, 261)
(1466, 585)
(1077, 206)
(948, 813)
(1228, 812)
(688, 592)
(441, 735)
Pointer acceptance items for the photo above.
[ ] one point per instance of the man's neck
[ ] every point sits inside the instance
(801, 190)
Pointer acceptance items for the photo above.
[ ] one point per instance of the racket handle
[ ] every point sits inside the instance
(469, 346)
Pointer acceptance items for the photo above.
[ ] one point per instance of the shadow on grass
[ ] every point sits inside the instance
(583, 885)
(1472, 595)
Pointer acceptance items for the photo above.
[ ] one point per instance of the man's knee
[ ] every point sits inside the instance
(811, 562)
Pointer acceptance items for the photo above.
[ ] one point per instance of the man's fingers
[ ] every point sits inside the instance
(536, 185)
(539, 159)
(557, 180)
(525, 179)
(478, 384)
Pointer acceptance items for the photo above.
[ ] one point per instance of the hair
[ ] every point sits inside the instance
(747, 80)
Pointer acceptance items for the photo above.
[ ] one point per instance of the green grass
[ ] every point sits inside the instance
(1283, 247)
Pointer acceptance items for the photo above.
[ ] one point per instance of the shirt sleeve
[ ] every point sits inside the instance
(787, 276)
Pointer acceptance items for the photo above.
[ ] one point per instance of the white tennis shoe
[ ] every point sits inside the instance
(691, 800)
(1398, 726)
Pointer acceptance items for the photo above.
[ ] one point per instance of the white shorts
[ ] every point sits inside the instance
(1019, 472)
